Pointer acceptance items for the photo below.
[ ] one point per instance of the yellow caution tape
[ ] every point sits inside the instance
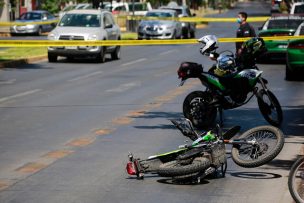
(61, 43)
(195, 19)
(183, 19)
(27, 23)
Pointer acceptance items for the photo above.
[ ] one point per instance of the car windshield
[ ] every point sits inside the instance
(80, 20)
(299, 9)
(178, 11)
(30, 16)
(159, 14)
(284, 24)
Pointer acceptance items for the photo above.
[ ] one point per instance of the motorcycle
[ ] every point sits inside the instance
(207, 153)
(226, 92)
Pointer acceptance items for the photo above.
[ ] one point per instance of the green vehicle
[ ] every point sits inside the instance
(295, 54)
(280, 25)
(276, 48)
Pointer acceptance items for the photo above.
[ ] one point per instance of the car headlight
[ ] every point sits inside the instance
(30, 26)
(52, 36)
(92, 37)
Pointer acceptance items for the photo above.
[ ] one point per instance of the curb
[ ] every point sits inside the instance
(14, 63)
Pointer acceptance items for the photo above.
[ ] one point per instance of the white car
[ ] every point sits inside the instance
(86, 25)
(139, 8)
(297, 8)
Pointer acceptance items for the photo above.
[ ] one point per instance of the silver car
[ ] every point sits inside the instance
(160, 29)
(35, 22)
(87, 25)
(188, 28)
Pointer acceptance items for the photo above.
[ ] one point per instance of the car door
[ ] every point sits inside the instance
(109, 27)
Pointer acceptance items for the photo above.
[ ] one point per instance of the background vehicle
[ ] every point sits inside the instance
(88, 25)
(279, 26)
(294, 59)
(295, 180)
(160, 29)
(297, 8)
(73, 7)
(32, 20)
(139, 8)
(188, 28)
(207, 153)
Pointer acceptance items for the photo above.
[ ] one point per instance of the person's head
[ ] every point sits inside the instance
(242, 17)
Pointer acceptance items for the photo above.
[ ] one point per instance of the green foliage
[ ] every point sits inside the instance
(53, 6)
(1, 3)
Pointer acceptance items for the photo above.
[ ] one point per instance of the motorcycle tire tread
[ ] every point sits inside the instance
(198, 164)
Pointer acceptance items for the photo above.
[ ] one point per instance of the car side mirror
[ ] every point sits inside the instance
(108, 26)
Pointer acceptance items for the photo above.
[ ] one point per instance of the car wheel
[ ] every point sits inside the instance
(186, 34)
(70, 58)
(116, 54)
(52, 57)
(289, 75)
(174, 35)
(39, 32)
(101, 57)
(192, 34)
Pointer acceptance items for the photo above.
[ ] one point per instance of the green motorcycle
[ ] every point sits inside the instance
(207, 153)
(230, 83)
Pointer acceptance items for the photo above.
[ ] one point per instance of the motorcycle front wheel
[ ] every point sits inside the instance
(196, 109)
(269, 142)
(295, 180)
(270, 107)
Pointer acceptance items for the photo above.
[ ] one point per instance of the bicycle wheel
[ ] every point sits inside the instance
(269, 142)
(296, 180)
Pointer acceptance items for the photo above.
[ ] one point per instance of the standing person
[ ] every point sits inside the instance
(245, 30)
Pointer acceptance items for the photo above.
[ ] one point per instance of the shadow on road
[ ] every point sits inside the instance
(255, 175)
(293, 120)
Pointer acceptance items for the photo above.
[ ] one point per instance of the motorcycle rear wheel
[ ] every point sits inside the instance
(195, 108)
(270, 143)
(270, 107)
(174, 168)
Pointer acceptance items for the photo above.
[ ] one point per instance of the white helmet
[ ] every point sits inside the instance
(210, 42)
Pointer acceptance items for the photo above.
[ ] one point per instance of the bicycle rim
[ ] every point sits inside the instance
(296, 182)
(267, 142)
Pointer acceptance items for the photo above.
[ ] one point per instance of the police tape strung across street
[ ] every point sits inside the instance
(61, 43)
(182, 19)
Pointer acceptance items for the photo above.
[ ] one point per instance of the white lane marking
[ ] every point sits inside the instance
(7, 82)
(19, 95)
(124, 87)
(133, 62)
(168, 52)
(86, 76)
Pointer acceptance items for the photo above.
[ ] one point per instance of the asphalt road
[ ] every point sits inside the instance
(67, 127)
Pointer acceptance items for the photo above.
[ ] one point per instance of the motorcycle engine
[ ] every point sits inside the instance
(238, 98)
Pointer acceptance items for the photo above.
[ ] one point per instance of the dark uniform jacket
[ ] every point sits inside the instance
(245, 30)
